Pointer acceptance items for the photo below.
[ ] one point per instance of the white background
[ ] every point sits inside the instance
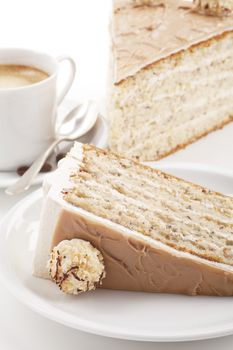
(80, 29)
(74, 27)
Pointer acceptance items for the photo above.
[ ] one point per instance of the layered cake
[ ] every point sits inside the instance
(111, 222)
(171, 76)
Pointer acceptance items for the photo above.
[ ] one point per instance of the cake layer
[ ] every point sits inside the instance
(113, 202)
(174, 101)
(177, 213)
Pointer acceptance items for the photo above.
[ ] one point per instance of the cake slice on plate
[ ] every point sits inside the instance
(171, 74)
(144, 230)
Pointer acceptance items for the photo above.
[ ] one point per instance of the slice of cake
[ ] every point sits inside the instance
(171, 79)
(152, 231)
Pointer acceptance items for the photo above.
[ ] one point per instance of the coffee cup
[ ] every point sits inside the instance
(28, 104)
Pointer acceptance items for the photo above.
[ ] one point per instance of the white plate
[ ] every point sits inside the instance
(97, 136)
(126, 315)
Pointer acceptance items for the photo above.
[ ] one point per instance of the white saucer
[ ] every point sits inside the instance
(97, 136)
(126, 315)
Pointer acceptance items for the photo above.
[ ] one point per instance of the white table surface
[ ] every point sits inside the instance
(78, 28)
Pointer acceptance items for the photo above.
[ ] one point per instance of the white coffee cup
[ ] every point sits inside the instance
(28, 113)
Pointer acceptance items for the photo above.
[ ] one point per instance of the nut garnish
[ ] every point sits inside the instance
(76, 266)
(214, 7)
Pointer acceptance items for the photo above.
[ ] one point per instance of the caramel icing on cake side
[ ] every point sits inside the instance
(142, 35)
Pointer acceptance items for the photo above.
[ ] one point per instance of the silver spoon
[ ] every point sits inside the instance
(86, 124)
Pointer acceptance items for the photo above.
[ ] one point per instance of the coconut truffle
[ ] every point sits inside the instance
(214, 7)
(76, 266)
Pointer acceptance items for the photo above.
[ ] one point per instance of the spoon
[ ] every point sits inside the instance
(80, 109)
(86, 124)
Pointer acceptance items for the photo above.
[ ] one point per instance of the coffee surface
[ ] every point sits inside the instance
(12, 76)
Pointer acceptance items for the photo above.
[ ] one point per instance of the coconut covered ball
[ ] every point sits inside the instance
(76, 266)
(214, 7)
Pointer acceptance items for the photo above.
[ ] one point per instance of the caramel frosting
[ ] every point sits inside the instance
(142, 35)
(145, 2)
(133, 263)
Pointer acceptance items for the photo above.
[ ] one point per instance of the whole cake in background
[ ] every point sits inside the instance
(111, 222)
(171, 76)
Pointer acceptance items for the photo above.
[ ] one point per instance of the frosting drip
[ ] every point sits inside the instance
(145, 34)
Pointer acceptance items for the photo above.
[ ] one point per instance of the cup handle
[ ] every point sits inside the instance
(70, 78)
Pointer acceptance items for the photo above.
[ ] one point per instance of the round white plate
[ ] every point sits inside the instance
(97, 136)
(126, 315)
